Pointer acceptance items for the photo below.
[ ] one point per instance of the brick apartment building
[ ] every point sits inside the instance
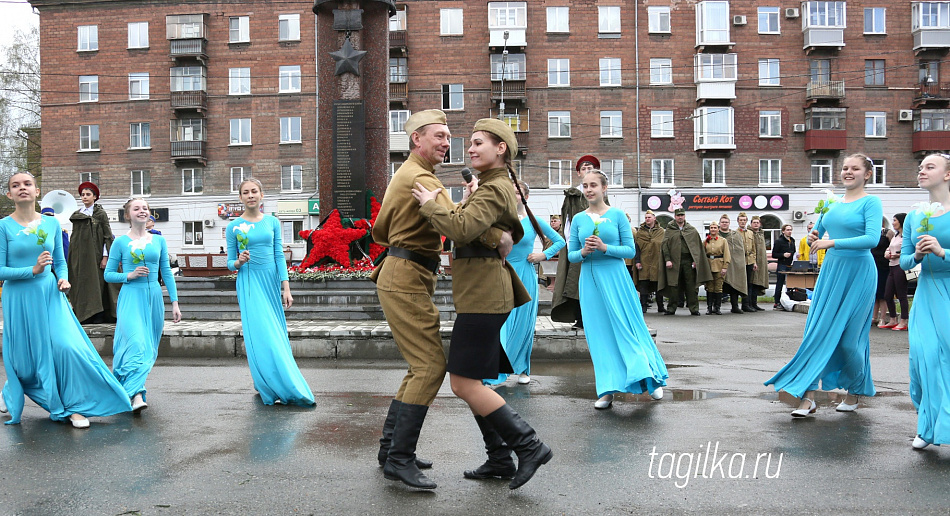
(743, 105)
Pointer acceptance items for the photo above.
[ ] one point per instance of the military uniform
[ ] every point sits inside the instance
(717, 252)
(649, 255)
(760, 277)
(735, 283)
(683, 247)
(748, 243)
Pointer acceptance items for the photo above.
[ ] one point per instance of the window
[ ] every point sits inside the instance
(928, 72)
(188, 78)
(716, 67)
(291, 231)
(662, 171)
(875, 124)
(456, 154)
(289, 79)
(192, 180)
(450, 22)
(768, 20)
(769, 72)
(138, 35)
(398, 21)
(874, 20)
(559, 72)
(824, 14)
(608, 19)
(140, 135)
(611, 124)
(661, 124)
(513, 66)
(397, 120)
(88, 38)
(879, 172)
(559, 124)
(290, 129)
(819, 71)
(237, 176)
(288, 27)
(712, 22)
(507, 15)
(398, 69)
(770, 124)
(240, 131)
(92, 177)
(193, 234)
(825, 118)
(659, 18)
(930, 15)
(559, 172)
(185, 26)
(393, 167)
(291, 178)
(610, 72)
(661, 71)
(453, 96)
(188, 130)
(770, 172)
(933, 120)
(613, 168)
(89, 137)
(138, 86)
(714, 172)
(239, 29)
(558, 19)
(141, 182)
(239, 81)
(714, 127)
(821, 171)
(88, 88)
(874, 72)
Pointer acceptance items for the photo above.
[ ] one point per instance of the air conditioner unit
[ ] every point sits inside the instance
(791, 12)
(209, 223)
(798, 128)
(905, 115)
(738, 20)
(799, 215)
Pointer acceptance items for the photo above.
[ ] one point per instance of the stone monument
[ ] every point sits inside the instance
(352, 102)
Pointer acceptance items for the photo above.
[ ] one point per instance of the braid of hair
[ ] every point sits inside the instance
(524, 201)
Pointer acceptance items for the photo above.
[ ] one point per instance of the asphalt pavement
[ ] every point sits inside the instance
(718, 443)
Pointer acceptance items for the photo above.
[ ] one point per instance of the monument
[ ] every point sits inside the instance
(352, 102)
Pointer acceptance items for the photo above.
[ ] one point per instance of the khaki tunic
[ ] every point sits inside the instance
(717, 247)
(650, 242)
(760, 277)
(748, 242)
(735, 276)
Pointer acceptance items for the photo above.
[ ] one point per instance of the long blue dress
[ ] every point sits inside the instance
(623, 352)
(517, 334)
(835, 347)
(929, 341)
(140, 308)
(275, 373)
(46, 354)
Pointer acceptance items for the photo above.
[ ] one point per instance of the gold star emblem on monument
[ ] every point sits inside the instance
(347, 58)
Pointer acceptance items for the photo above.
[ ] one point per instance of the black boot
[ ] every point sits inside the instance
(519, 435)
(387, 438)
(734, 299)
(709, 304)
(754, 300)
(717, 307)
(401, 463)
(659, 304)
(499, 463)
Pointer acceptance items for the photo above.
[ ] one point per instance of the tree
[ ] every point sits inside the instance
(19, 103)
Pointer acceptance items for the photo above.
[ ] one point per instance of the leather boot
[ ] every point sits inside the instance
(734, 299)
(754, 300)
(531, 452)
(659, 304)
(709, 304)
(386, 440)
(499, 463)
(717, 308)
(401, 462)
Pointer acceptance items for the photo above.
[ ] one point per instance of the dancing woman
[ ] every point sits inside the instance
(256, 252)
(624, 354)
(927, 242)
(517, 334)
(46, 354)
(486, 289)
(835, 347)
(141, 306)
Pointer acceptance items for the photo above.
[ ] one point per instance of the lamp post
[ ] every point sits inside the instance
(504, 63)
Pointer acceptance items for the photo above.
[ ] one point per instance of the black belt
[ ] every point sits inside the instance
(713, 257)
(429, 263)
(473, 251)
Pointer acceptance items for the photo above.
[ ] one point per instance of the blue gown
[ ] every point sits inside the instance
(140, 309)
(623, 352)
(46, 354)
(517, 334)
(929, 341)
(835, 347)
(275, 373)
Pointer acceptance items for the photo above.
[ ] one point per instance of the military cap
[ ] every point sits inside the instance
(588, 159)
(420, 119)
(679, 211)
(650, 212)
(501, 130)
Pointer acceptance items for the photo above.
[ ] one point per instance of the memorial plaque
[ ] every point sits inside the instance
(349, 158)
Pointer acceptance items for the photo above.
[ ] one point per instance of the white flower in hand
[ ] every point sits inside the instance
(929, 209)
(30, 228)
(243, 227)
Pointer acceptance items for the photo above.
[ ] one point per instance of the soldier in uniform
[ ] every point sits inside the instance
(686, 263)
(649, 239)
(717, 252)
(748, 242)
(735, 282)
(760, 276)
(405, 283)
(565, 305)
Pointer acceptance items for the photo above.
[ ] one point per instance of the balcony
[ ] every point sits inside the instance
(189, 101)
(826, 139)
(931, 93)
(522, 141)
(398, 92)
(189, 49)
(509, 90)
(399, 142)
(817, 90)
(930, 141)
(929, 26)
(516, 37)
(189, 151)
(823, 37)
(398, 41)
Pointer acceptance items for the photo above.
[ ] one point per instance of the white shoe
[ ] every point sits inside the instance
(804, 412)
(138, 404)
(82, 422)
(919, 444)
(604, 402)
(3, 405)
(524, 379)
(844, 407)
(657, 394)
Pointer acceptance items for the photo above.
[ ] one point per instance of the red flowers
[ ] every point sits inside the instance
(332, 241)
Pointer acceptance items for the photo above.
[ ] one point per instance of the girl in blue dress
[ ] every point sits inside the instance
(927, 242)
(517, 334)
(255, 251)
(141, 307)
(623, 352)
(835, 347)
(46, 354)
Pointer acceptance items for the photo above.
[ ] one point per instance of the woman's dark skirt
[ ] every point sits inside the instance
(475, 351)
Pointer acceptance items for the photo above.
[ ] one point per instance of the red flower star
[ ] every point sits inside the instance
(374, 248)
(332, 241)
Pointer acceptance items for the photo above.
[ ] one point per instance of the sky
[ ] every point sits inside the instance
(15, 14)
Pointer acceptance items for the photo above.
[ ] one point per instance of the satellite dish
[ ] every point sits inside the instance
(62, 203)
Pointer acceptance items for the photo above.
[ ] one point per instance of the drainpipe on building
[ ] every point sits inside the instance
(636, 39)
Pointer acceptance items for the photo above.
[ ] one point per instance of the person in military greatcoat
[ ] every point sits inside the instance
(735, 281)
(648, 262)
(686, 263)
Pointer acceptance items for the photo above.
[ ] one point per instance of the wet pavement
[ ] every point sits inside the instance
(719, 442)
